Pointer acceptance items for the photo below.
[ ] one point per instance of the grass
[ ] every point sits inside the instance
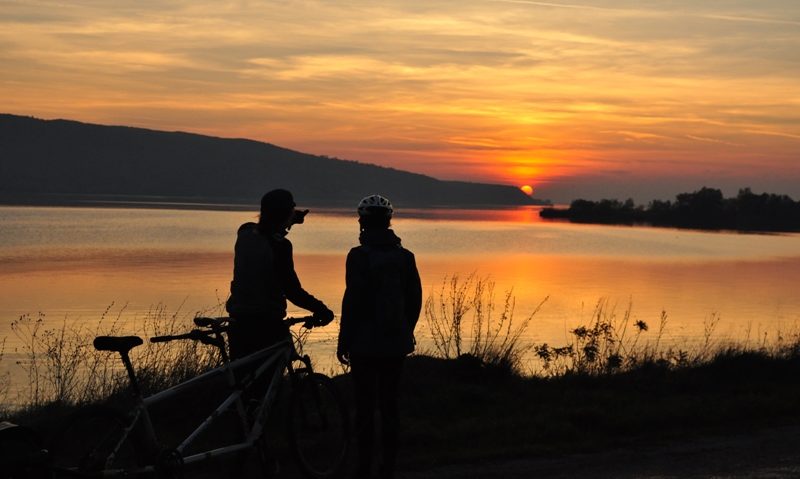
(63, 368)
(480, 415)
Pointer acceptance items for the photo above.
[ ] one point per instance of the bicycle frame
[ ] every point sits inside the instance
(280, 355)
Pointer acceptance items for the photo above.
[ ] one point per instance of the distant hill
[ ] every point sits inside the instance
(60, 161)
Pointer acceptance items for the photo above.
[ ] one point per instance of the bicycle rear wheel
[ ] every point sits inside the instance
(21, 455)
(318, 427)
(93, 441)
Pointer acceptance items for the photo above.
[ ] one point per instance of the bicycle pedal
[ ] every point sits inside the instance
(269, 464)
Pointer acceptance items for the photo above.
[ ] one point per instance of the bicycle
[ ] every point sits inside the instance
(21, 453)
(127, 444)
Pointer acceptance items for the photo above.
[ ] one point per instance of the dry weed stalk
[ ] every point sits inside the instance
(463, 319)
(62, 366)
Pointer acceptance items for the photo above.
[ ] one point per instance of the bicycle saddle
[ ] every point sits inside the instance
(120, 344)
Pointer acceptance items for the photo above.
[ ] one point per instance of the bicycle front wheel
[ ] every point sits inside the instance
(318, 427)
(93, 441)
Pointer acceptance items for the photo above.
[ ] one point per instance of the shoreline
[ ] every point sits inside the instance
(200, 203)
(443, 212)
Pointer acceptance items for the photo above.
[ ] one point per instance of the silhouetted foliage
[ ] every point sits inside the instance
(703, 209)
(603, 211)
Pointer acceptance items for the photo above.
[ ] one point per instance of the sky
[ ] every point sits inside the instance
(579, 99)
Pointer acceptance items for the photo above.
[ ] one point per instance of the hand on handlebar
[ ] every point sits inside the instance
(322, 317)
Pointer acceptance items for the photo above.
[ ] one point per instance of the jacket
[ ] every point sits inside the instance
(264, 276)
(382, 298)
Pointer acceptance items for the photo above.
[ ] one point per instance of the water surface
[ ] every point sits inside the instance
(72, 263)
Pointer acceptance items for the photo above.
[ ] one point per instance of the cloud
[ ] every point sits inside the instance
(769, 21)
(693, 11)
(564, 5)
(511, 90)
(712, 140)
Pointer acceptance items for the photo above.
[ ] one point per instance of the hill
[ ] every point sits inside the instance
(58, 161)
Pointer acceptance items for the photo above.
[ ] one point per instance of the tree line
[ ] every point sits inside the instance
(706, 208)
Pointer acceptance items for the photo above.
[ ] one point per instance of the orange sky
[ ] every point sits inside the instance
(587, 99)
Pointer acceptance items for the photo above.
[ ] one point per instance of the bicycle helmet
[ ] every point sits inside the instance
(375, 204)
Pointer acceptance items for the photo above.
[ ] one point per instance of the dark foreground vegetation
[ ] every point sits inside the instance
(703, 209)
(457, 411)
(461, 411)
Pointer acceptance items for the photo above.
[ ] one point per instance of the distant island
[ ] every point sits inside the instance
(68, 162)
(703, 209)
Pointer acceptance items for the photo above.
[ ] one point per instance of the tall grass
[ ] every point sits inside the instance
(5, 383)
(609, 342)
(612, 342)
(464, 320)
(61, 365)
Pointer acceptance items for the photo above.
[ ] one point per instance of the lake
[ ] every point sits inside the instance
(72, 264)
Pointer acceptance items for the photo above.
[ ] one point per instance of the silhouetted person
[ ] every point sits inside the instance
(264, 278)
(381, 305)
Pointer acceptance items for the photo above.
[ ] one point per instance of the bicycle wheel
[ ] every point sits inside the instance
(318, 427)
(93, 441)
(21, 455)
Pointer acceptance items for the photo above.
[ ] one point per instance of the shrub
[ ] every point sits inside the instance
(462, 318)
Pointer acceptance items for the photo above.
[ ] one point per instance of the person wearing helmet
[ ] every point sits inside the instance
(264, 278)
(381, 305)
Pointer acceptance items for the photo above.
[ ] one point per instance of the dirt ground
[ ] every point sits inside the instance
(766, 454)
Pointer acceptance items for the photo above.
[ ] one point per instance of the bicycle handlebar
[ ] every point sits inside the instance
(218, 322)
(308, 321)
(195, 334)
(216, 325)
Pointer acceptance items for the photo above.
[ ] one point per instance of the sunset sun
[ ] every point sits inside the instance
(527, 189)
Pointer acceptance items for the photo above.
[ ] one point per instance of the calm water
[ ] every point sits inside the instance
(72, 263)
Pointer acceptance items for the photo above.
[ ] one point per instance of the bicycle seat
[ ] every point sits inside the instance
(120, 344)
